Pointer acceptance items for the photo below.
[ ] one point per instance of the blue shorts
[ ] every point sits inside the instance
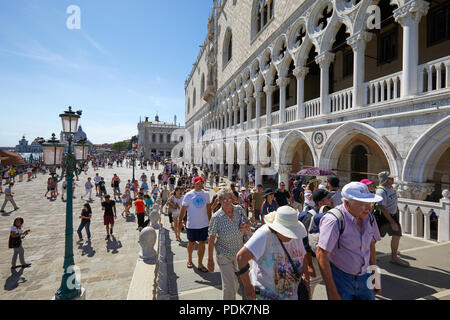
(352, 287)
(197, 234)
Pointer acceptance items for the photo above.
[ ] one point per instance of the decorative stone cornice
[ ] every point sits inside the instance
(301, 72)
(269, 89)
(258, 95)
(413, 190)
(283, 82)
(411, 12)
(249, 100)
(284, 169)
(325, 59)
(359, 40)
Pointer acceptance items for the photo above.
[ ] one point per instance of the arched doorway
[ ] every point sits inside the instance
(359, 163)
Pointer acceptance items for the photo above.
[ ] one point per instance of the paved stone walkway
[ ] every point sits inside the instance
(428, 274)
(106, 266)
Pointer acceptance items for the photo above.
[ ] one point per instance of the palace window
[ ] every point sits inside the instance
(202, 86)
(227, 47)
(347, 59)
(438, 24)
(194, 98)
(262, 15)
(387, 46)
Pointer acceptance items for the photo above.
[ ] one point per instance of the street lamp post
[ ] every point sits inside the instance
(70, 162)
(133, 154)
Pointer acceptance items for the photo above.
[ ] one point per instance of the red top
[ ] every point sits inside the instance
(140, 206)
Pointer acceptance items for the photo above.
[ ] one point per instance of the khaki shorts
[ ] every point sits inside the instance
(387, 228)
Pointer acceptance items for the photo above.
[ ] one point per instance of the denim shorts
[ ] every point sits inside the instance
(351, 287)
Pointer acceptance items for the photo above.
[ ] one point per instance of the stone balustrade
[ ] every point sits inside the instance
(434, 75)
(423, 218)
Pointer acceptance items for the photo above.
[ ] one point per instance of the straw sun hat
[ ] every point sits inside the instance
(285, 222)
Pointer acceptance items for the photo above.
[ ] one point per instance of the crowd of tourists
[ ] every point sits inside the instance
(296, 236)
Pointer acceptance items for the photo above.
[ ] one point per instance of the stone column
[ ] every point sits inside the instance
(324, 61)
(283, 83)
(243, 172)
(230, 171)
(241, 114)
(300, 73)
(230, 118)
(225, 119)
(249, 102)
(258, 175)
(258, 97)
(221, 169)
(358, 44)
(283, 174)
(444, 218)
(409, 17)
(235, 117)
(269, 90)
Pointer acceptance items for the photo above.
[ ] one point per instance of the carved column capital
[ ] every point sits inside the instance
(411, 12)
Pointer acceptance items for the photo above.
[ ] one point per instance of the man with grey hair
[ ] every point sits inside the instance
(346, 247)
(389, 215)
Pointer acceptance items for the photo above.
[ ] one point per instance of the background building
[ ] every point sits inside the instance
(23, 146)
(324, 88)
(158, 137)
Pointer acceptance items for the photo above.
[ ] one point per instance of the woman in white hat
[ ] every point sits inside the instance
(273, 276)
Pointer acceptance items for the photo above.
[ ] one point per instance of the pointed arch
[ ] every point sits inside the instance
(424, 155)
(286, 150)
(338, 139)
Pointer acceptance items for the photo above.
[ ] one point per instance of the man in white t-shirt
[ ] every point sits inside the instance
(97, 179)
(198, 207)
(88, 189)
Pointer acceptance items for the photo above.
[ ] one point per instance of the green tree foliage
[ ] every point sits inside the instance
(120, 146)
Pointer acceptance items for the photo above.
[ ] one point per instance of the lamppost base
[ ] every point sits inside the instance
(82, 295)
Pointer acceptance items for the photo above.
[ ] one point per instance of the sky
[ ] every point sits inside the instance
(129, 58)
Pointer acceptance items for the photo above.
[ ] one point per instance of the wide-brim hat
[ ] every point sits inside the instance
(267, 192)
(285, 222)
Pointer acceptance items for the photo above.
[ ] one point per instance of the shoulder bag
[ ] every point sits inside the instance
(302, 290)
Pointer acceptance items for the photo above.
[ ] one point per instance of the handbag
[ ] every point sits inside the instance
(14, 242)
(302, 290)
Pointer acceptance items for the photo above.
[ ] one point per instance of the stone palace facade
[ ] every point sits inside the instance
(156, 138)
(356, 87)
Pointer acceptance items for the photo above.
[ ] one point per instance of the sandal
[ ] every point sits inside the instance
(190, 265)
(203, 269)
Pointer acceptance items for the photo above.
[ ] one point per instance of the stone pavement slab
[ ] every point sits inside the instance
(106, 266)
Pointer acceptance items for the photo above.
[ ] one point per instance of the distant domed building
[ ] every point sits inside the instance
(77, 137)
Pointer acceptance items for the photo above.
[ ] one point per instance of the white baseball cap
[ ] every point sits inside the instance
(360, 192)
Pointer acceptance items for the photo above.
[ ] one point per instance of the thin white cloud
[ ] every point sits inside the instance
(34, 50)
(94, 43)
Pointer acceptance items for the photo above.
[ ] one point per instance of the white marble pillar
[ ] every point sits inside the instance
(300, 73)
(243, 173)
(324, 60)
(283, 83)
(258, 98)
(358, 44)
(284, 171)
(230, 171)
(241, 115)
(249, 102)
(258, 175)
(221, 169)
(269, 90)
(409, 16)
